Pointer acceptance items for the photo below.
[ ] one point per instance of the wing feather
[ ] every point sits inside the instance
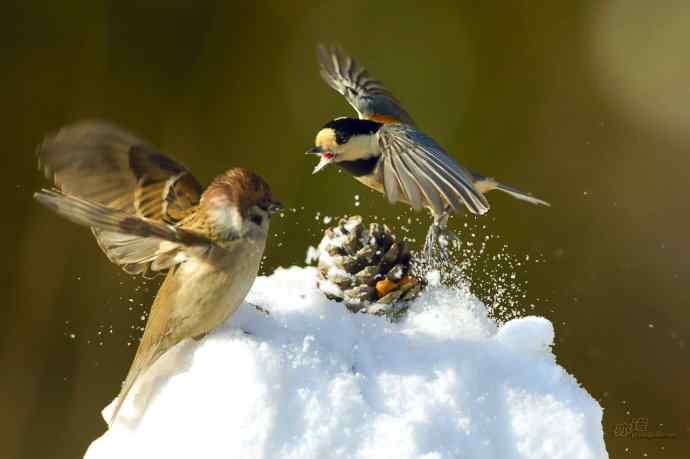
(447, 184)
(408, 182)
(423, 168)
(390, 182)
(92, 214)
(426, 185)
(452, 174)
(367, 96)
(442, 183)
(135, 243)
(103, 163)
(100, 163)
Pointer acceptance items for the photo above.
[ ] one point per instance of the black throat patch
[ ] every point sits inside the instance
(359, 167)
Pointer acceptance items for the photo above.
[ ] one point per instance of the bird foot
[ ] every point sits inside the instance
(439, 240)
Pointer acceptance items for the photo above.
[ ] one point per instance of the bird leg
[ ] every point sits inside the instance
(438, 238)
(441, 219)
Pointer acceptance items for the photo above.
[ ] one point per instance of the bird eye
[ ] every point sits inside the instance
(256, 219)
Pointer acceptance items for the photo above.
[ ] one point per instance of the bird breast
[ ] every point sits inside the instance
(211, 288)
(374, 179)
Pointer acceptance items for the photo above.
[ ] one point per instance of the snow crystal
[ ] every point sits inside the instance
(312, 380)
(433, 277)
(312, 255)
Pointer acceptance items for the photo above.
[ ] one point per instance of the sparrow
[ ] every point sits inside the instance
(149, 214)
(384, 150)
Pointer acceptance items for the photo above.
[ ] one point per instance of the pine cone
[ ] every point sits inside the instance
(368, 269)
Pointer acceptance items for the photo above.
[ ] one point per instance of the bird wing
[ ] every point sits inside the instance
(101, 163)
(133, 242)
(418, 170)
(369, 97)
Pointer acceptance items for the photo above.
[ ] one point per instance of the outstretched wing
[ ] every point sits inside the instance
(135, 243)
(368, 96)
(96, 162)
(100, 162)
(417, 170)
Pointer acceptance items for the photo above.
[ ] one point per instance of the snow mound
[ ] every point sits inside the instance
(312, 380)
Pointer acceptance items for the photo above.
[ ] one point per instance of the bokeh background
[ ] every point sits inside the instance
(586, 103)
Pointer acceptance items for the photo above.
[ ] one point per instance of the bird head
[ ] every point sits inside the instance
(240, 203)
(345, 139)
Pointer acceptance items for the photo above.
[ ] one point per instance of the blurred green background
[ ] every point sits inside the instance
(586, 104)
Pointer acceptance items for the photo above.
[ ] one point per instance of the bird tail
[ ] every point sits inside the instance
(486, 184)
(521, 195)
(124, 391)
(140, 364)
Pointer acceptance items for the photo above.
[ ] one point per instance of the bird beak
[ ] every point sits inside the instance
(274, 207)
(327, 157)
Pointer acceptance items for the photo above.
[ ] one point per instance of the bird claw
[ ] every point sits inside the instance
(438, 240)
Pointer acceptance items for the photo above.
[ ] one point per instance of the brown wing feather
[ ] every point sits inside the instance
(101, 163)
(135, 243)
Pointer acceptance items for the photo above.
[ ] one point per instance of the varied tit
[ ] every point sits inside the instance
(149, 214)
(385, 151)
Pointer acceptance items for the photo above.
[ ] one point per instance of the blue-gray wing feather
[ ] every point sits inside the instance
(368, 96)
(425, 176)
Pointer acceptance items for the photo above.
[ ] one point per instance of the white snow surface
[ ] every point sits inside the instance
(312, 380)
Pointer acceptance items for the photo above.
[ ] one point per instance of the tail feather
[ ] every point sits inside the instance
(486, 184)
(140, 364)
(158, 337)
(521, 195)
(122, 396)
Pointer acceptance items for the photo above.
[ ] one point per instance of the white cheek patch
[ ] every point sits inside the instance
(225, 216)
(358, 147)
(235, 219)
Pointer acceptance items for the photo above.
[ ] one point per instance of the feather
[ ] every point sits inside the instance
(367, 96)
(153, 342)
(486, 184)
(100, 162)
(390, 182)
(95, 164)
(129, 241)
(423, 165)
(433, 194)
(408, 182)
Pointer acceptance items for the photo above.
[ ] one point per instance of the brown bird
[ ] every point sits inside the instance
(149, 214)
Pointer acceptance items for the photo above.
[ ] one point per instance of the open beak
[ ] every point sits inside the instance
(326, 157)
(274, 207)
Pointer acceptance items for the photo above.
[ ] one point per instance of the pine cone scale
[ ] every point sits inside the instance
(366, 268)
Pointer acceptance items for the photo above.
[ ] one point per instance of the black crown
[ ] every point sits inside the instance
(347, 127)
